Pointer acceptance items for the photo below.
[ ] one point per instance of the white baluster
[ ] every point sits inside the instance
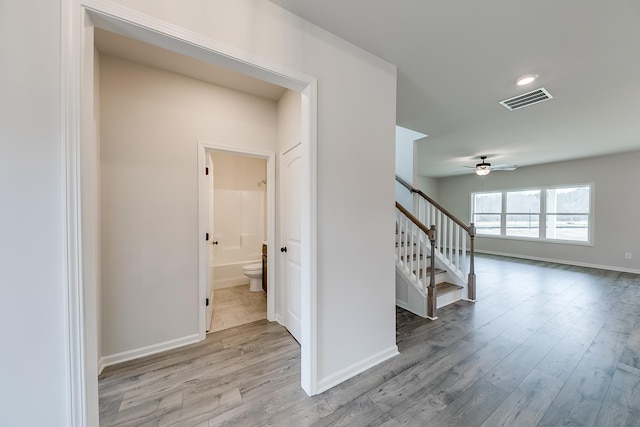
(443, 234)
(463, 264)
(458, 246)
(411, 248)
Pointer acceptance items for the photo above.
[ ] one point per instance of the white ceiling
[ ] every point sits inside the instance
(457, 59)
(153, 56)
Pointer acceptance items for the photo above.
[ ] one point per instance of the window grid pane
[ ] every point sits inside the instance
(523, 201)
(568, 200)
(487, 224)
(488, 203)
(523, 225)
(568, 227)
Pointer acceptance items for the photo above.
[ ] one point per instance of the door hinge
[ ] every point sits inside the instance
(206, 237)
(206, 171)
(207, 303)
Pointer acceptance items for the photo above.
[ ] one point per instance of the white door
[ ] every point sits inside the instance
(291, 248)
(210, 241)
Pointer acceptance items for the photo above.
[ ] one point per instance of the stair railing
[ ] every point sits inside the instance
(452, 233)
(411, 255)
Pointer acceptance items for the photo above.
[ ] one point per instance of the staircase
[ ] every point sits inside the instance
(433, 268)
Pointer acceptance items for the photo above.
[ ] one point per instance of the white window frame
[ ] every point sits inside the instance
(543, 214)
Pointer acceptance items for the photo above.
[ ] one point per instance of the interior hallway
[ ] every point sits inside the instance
(545, 344)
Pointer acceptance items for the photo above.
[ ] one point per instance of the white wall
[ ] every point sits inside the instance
(356, 125)
(405, 152)
(428, 185)
(151, 121)
(406, 168)
(34, 364)
(289, 131)
(615, 180)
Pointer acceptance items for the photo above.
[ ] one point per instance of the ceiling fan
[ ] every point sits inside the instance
(483, 168)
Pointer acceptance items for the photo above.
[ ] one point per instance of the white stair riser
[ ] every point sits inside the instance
(449, 298)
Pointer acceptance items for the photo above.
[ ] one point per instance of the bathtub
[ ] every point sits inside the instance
(228, 275)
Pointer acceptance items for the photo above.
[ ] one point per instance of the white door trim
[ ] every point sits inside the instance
(270, 157)
(79, 17)
(82, 409)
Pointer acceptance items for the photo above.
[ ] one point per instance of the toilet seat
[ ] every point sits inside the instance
(249, 267)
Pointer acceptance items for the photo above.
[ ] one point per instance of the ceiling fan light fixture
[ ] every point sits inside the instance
(483, 168)
(525, 80)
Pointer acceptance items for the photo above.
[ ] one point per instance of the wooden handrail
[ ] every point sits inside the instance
(413, 219)
(469, 229)
(404, 183)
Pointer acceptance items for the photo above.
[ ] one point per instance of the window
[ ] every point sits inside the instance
(523, 213)
(568, 213)
(550, 213)
(487, 213)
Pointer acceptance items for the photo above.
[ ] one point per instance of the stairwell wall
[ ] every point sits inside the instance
(429, 186)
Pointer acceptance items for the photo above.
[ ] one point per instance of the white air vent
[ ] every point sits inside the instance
(526, 99)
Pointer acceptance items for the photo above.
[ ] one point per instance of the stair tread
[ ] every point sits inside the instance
(446, 287)
(438, 271)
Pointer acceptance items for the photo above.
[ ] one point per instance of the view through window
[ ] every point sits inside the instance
(550, 213)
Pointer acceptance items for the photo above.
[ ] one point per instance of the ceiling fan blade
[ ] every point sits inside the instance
(504, 167)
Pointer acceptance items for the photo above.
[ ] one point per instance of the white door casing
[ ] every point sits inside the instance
(292, 240)
(209, 268)
(205, 184)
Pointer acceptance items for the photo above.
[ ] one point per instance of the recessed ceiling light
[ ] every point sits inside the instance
(525, 80)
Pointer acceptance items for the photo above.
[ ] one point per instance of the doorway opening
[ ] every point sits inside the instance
(237, 216)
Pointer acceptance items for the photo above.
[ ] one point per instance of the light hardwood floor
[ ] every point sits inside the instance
(545, 345)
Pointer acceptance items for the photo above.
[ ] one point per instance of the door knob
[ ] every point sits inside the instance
(284, 249)
(215, 242)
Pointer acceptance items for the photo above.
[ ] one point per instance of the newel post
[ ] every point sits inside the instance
(471, 285)
(432, 291)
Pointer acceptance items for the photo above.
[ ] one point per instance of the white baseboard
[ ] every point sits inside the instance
(403, 305)
(280, 319)
(561, 261)
(145, 351)
(353, 370)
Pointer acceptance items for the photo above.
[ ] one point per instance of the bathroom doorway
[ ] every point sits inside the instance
(237, 218)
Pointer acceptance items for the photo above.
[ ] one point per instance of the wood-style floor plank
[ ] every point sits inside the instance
(580, 399)
(528, 403)
(621, 404)
(546, 344)
(471, 408)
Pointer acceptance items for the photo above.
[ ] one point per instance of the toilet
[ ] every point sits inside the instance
(254, 273)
